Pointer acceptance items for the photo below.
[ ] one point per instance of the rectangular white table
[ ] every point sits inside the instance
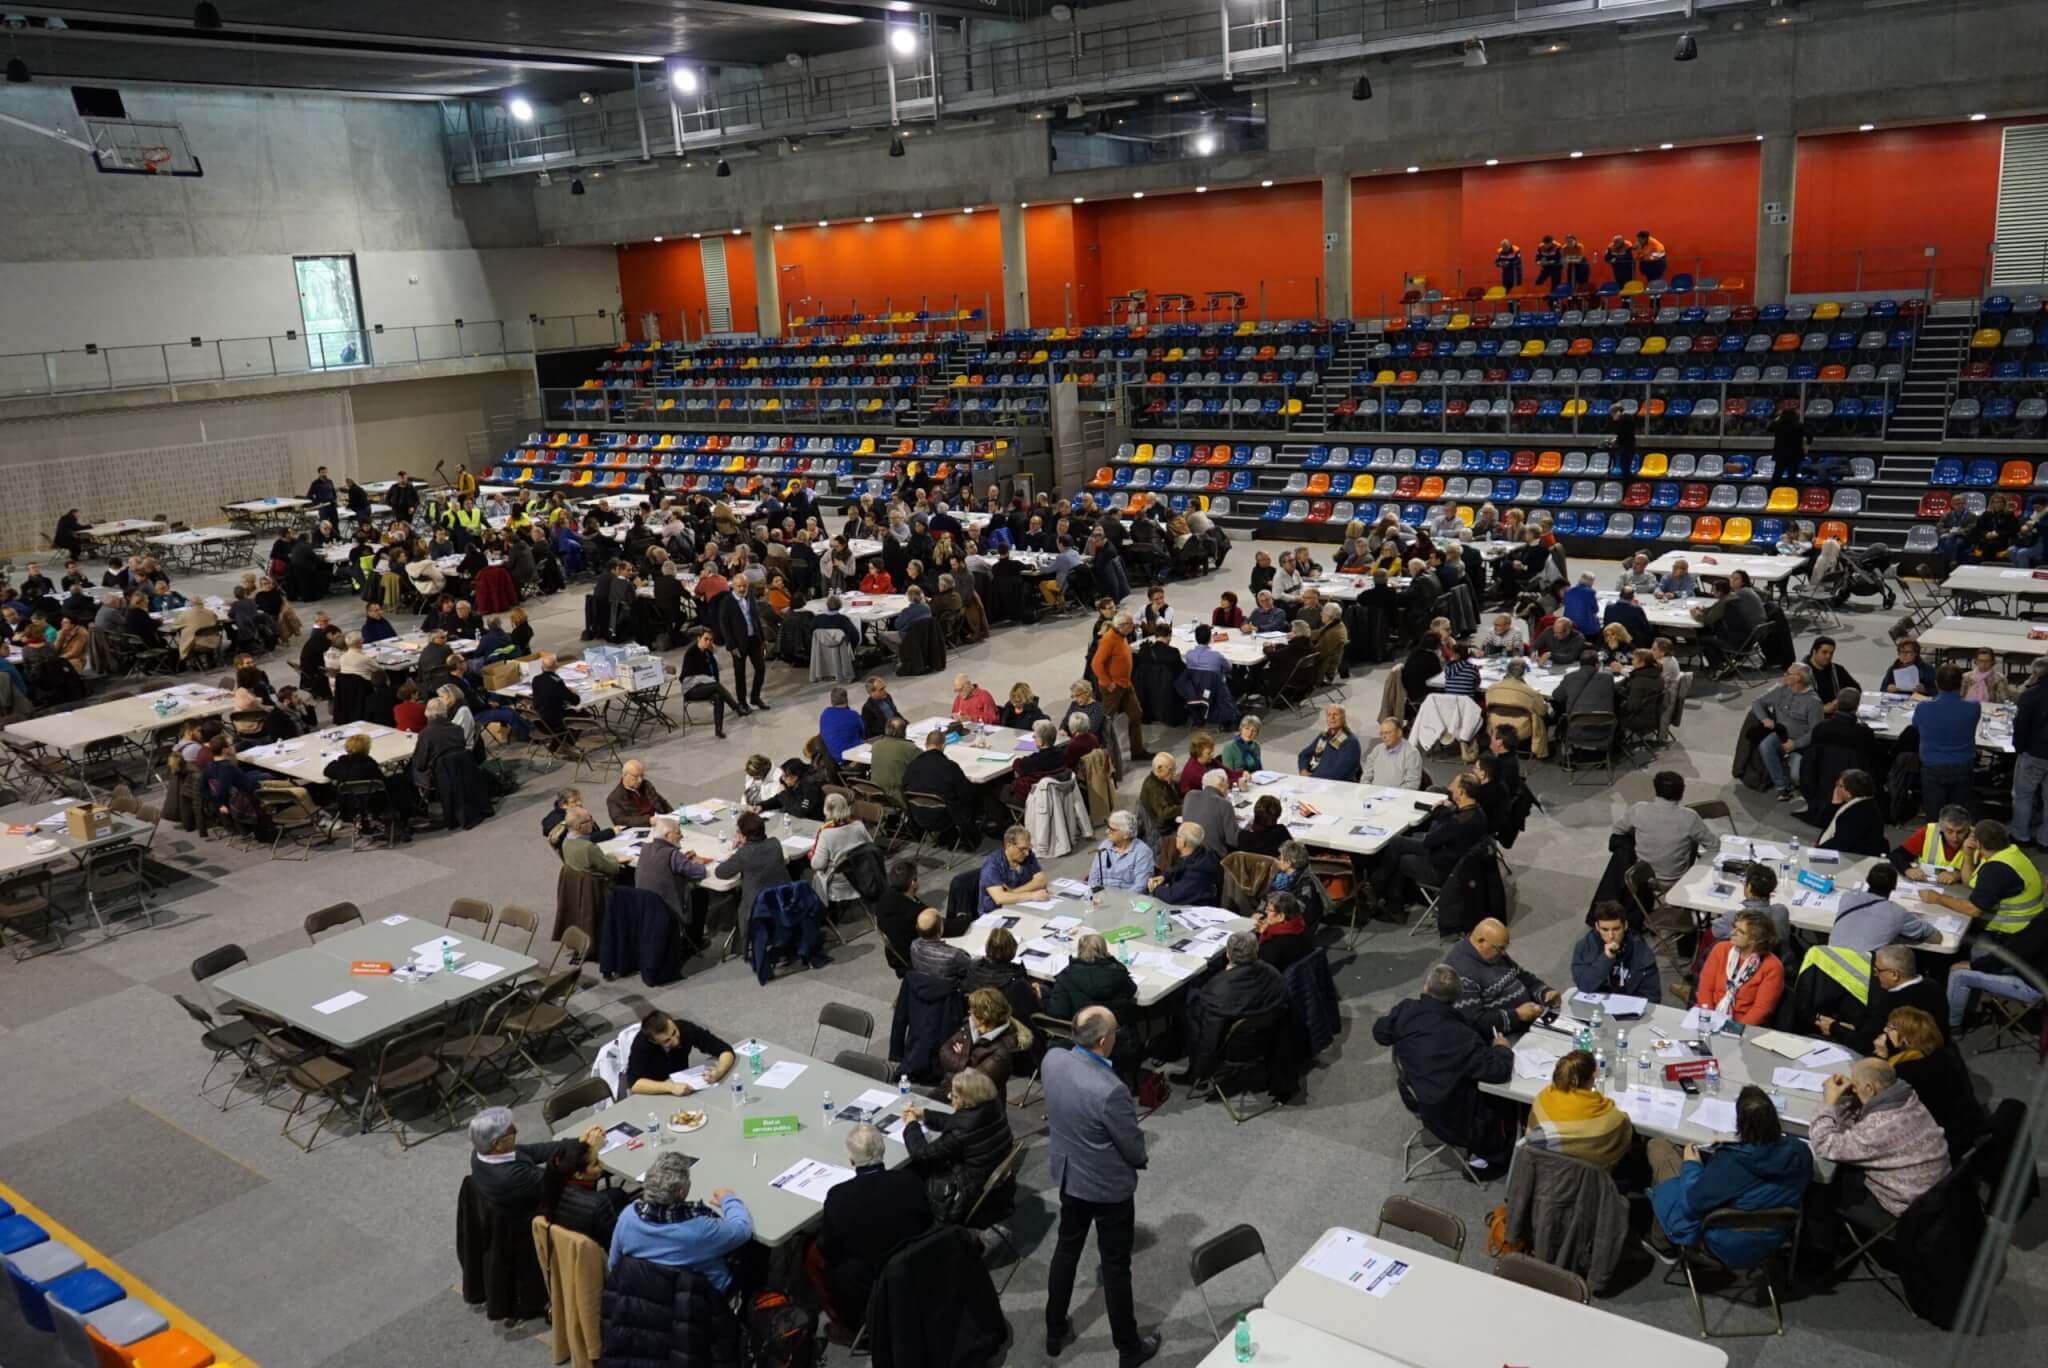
(1673, 615)
(1995, 581)
(306, 758)
(713, 840)
(1705, 888)
(1280, 1341)
(1338, 809)
(984, 756)
(81, 727)
(1450, 1315)
(294, 986)
(53, 845)
(1159, 970)
(1890, 714)
(1718, 565)
(2002, 636)
(748, 1165)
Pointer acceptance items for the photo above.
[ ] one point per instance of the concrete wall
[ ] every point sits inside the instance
(415, 425)
(1839, 66)
(118, 260)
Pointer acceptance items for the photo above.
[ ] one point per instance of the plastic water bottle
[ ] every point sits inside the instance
(1620, 1071)
(447, 957)
(1599, 1067)
(1714, 1077)
(1584, 1041)
(754, 1059)
(1599, 1017)
(785, 822)
(1621, 1042)
(1159, 925)
(739, 1092)
(1643, 1066)
(827, 1104)
(1242, 1348)
(903, 1085)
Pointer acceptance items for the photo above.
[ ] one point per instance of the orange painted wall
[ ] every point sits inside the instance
(1893, 193)
(1190, 244)
(667, 278)
(1700, 202)
(910, 263)
(1050, 264)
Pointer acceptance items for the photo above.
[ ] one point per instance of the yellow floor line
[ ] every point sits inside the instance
(224, 1353)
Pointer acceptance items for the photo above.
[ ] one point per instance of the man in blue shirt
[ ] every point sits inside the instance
(1334, 754)
(839, 727)
(1203, 656)
(665, 1227)
(1268, 616)
(1948, 742)
(1011, 874)
(1581, 603)
(915, 609)
(1626, 611)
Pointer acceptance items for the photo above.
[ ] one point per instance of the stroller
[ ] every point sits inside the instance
(1869, 570)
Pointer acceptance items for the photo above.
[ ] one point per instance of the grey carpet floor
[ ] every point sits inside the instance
(345, 1256)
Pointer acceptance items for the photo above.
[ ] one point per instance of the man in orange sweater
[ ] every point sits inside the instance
(1113, 676)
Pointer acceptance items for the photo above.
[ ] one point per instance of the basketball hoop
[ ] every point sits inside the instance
(155, 158)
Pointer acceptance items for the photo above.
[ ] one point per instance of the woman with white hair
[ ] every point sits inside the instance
(1047, 758)
(665, 1227)
(1095, 978)
(841, 835)
(1122, 861)
(957, 1151)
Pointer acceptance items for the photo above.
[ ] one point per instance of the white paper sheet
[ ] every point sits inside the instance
(1781, 1043)
(810, 1178)
(431, 950)
(1803, 1080)
(1039, 904)
(1716, 1114)
(482, 969)
(1948, 923)
(337, 1002)
(1070, 888)
(1535, 1064)
(1197, 917)
(992, 921)
(1044, 963)
(796, 845)
(699, 1077)
(1165, 965)
(1652, 1108)
(1346, 1258)
(1824, 1056)
(1617, 1004)
(1059, 926)
(396, 919)
(781, 1074)
(1703, 1020)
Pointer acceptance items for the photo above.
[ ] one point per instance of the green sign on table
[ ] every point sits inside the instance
(1124, 933)
(756, 1126)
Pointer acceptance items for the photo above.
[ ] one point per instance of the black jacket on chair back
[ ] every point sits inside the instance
(655, 1316)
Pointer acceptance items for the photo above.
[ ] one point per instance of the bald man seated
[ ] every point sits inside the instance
(931, 955)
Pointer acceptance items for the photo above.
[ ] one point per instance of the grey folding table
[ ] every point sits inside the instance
(295, 986)
(725, 1157)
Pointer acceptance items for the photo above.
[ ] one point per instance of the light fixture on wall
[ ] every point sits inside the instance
(869, 219)
(1265, 185)
(584, 97)
(1475, 53)
(1361, 89)
(917, 213)
(520, 109)
(724, 167)
(683, 78)
(1493, 161)
(1688, 48)
(823, 224)
(1979, 118)
(1577, 155)
(657, 237)
(1865, 128)
(902, 39)
(1201, 189)
(1205, 144)
(895, 146)
(1665, 147)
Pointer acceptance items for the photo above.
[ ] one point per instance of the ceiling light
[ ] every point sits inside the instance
(895, 146)
(682, 78)
(1023, 204)
(778, 228)
(724, 169)
(1688, 48)
(1977, 118)
(1137, 194)
(968, 210)
(1665, 147)
(17, 71)
(657, 237)
(1860, 128)
(576, 186)
(735, 232)
(917, 213)
(822, 223)
(1201, 189)
(584, 97)
(1265, 185)
(1361, 89)
(900, 6)
(1079, 198)
(869, 219)
(520, 109)
(1475, 53)
(1205, 143)
(1413, 169)
(694, 235)
(1493, 161)
(1577, 155)
(902, 39)
(206, 17)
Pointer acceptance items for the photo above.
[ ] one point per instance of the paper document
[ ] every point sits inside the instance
(482, 969)
(1780, 1043)
(1347, 1259)
(810, 1179)
(1948, 923)
(991, 921)
(1536, 1064)
(1828, 904)
(1703, 1020)
(1165, 965)
(1652, 1108)
(396, 919)
(619, 1134)
(1802, 1079)
(1198, 917)
(339, 1001)
(781, 1074)
(1070, 888)
(1060, 926)
(698, 1078)
(1039, 904)
(431, 950)
(1716, 1114)
(796, 845)
(1617, 1004)
(1822, 1056)
(1045, 963)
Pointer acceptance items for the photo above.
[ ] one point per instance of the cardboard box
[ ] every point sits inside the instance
(89, 822)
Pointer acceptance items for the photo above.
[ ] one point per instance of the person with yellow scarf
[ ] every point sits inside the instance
(1574, 1116)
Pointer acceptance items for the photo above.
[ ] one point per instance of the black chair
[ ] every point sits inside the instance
(1220, 1254)
(1249, 1058)
(840, 1017)
(932, 818)
(1423, 1134)
(571, 1098)
(1588, 733)
(1698, 1257)
(233, 1039)
(862, 1063)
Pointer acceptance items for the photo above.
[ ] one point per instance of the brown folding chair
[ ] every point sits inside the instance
(1530, 1271)
(327, 918)
(519, 919)
(471, 910)
(1420, 1218)
(408, 1063)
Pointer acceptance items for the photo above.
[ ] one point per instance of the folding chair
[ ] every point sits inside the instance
(233, 1039)
(1785, 1221)
(470, 910)
(1423, 1135)
(1420, 1218)
(1051, 1030)
(543, 1013)
(1530, 1271)
(487, 1046)
(519, 919)
(1221, 1253)
(406, 1064)
(24, 898)
(571, 1098)
(862, 1063)
(840, 1017)
(1588, 732)
(1004, 1175)
(1711, 808)
(114, 879)
(1245, 1055)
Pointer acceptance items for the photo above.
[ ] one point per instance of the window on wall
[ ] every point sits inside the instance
(331, 307)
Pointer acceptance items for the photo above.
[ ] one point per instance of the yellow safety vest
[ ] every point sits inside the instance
(1849, 968)
(471, 519)
(2016, 913)
(1930, 849)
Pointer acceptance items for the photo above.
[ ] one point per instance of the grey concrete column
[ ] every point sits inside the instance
(1016, 279)
(767, 281)
(1777, 172)
(1337, 244)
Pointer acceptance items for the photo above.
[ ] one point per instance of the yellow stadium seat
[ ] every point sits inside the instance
(1385, 377)
(1634, 287)
(1784, 499)
(1294, 408)
(1246, 329)
(1827, 311)
(1574, 408)
(1465, 510)
(867, 447)
(1361, 487)
(1985, 337)
(1656, 465)
(1143, 454)
(1459, 322)
(1737, 532)
(1496, 292)
(1654, 346)
(1533, 347)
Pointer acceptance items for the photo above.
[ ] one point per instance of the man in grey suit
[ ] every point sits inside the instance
(1096, 1151)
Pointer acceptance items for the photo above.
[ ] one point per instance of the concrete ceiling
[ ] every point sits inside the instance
(549, 48)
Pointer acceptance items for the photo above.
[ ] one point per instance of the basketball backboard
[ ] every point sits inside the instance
(128, 147)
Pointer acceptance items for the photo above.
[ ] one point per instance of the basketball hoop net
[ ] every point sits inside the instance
(155, 158)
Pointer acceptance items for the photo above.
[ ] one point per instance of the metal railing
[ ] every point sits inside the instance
(198, 360)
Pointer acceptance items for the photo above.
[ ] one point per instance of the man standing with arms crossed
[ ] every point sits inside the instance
(1096, 1152)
